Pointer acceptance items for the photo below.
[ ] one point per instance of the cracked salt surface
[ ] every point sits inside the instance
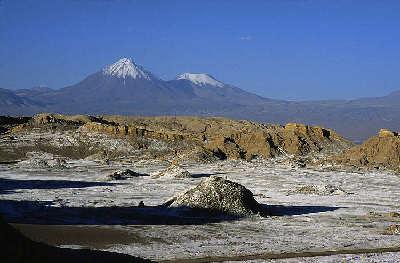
(308, 222)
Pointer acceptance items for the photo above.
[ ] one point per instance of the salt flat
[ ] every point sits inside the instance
(304, 221)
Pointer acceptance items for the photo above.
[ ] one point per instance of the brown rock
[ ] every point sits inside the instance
(381, 151)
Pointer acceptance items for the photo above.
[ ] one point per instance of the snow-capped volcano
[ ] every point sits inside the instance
(126, 68)
(201, 79)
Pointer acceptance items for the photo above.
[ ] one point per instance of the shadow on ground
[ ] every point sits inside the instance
(8, 186)
(282, 210)
(45, 212)
(202, 175)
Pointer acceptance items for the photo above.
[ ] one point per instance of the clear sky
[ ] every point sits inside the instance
(283, 49)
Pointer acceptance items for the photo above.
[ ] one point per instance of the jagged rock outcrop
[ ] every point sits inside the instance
(218, 195)
(300, 139)
(381, 151)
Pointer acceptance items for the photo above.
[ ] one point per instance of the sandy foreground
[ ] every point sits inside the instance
(78, 207)
(101, 237)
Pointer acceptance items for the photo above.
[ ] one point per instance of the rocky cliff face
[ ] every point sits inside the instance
(218, 137)
(381, 151)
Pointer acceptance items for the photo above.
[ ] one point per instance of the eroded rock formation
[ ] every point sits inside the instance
(381, 151)
(239, 139)
(193, 137)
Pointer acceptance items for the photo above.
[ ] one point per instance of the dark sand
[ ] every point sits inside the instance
(18, 248)
(98, 237)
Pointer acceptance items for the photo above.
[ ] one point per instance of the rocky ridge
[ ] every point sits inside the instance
(184, 138)
(232, 139)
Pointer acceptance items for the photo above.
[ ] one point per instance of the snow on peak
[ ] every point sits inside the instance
(201, 79)
(126, 68)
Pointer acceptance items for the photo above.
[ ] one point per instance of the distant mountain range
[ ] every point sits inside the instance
(127, 88)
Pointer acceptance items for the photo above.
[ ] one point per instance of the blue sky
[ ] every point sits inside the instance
(280, 49)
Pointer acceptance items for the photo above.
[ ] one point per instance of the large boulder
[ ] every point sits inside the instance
(218, 195)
